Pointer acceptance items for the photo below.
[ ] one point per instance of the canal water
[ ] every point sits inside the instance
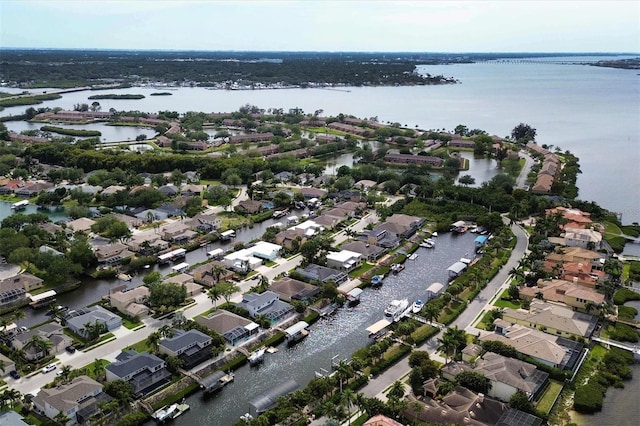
(337, 336)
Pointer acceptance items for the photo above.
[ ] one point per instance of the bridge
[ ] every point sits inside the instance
(635, 349)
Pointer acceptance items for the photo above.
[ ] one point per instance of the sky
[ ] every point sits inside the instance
(324, 25)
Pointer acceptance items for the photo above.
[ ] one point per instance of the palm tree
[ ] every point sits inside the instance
(264, 282)
(214, 294)
(2, 366)
(18, 314)
(65, 373)
(451, 340)
(99, 369)
(348, 398)
(40, 345)
(217, 272)
(4, 323)
(167, 331)
(344, 372)
(11, 396)
(153, 341)
(61, 418)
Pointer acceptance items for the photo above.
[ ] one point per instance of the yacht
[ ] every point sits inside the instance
(257, 356)
(417, 306)
(396, 309)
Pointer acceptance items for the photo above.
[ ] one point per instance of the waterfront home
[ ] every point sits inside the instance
(147, 243)
(506, 375)
(383, 236)
(78, 400)
(554, 351)
(232, 327)
(82, 224)
(185, 280)
(580, 298)
(255, 137)
(413, 159)
(241, 261)
(576, 218)
(543, 184)
(291, 239)
(327, 221)
(112, 253)
(8, 365)
(265, 250)
(192, 347)
(267, 304)
(205, 222)
(460, 407)
(552, 319)
(322, 274)
(25, 280)
(369, 252)
(77, 319)
(144, 371)
(291, 289)
(410, 223)
(130, 302)
(344, 260)
(310, 192)
(177, 232)
(51, 332)
(585, 238)
(249, 207)
(31, 189)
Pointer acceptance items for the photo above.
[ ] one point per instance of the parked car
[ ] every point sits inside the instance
(49, 368)
(14, 374)
(71, 349)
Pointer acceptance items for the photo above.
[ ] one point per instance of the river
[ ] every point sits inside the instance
(339, 335)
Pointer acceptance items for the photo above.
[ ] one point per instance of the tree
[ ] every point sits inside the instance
(111, 227)
(65, 373)
(227, 290)
(473, 381)
(120, 390)
(347, 399)
(166, 294)
(452, 340)
(40, 345)
(523, 133)
(153, 341)
(467, 180)
(99, 370)
(520, 401)
(61, 418)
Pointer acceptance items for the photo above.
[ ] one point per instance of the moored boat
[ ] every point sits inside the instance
(376, 280)
(396, 309)
(257, 356)
(417, 306)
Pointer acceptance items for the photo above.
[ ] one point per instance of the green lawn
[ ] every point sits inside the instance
(545, 403)
(361, 270)
(502, 303)
(130, 324)
(141, 346)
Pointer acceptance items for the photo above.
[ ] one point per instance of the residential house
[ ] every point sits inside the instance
(232, 327)
(82, 224)
(130, 302)
(77, 400)
(77, 319)
(327, 221)
(150, 215)
(309, 193)
(344, 260)
(169, 190)
(553, 319)
(8, 365)
(249, 207)
(369, 252)
(192, 190)
(12, 418)
(177, 232)
(11, 186)
(241, 261)
(192, 347)
(460, 407)
(144, 371)
(291, 239)
(513, 417)
(265, 250)
(25, 280)
(385, 237)
(31, 189)
(52, 332)
(366, 185)
(410, 223)
(509, 375)
(255, 137)
(381, 420)
(205, 223)
(543, 184)
(580, 298)
(147, 243)
(267, 304)
(110, 190)
(291, 289)
(186, 280)
(585, 238)
(576, 218)
(111, 254)
(171, 209)
(554, 351)
(322, 274)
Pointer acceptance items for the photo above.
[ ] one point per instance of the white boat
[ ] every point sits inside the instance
(397, 267)
(165, 413)
(20, 205)
(417, 306)
(434, 235)
(257, 357)
(414, 256)
(428, 243)
(124, 277)
(376, 280)
(396, 309)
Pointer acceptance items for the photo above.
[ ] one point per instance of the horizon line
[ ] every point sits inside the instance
(319, 51)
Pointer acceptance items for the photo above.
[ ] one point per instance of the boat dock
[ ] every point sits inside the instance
(170, 412)
(215, 382)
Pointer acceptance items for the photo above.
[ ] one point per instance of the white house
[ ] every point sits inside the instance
(583, 238)
(344, 260)
(266, 250)
(241, 261)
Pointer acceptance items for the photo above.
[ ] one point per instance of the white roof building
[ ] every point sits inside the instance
(345, 260)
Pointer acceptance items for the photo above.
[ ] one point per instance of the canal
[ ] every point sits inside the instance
(337, 336)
